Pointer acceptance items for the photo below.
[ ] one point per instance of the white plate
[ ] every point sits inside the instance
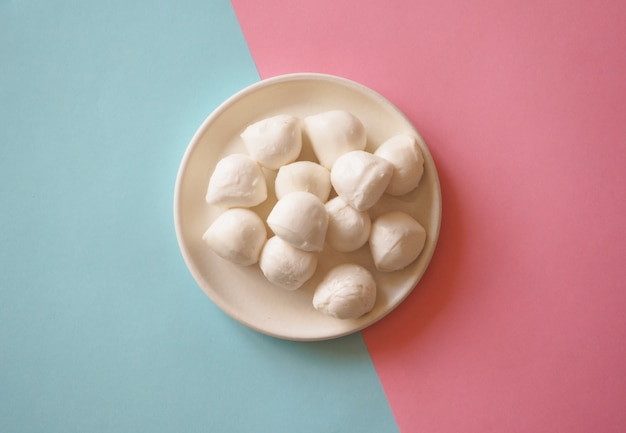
(243, 292)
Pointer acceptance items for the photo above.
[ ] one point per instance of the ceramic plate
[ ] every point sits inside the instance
(243, 292)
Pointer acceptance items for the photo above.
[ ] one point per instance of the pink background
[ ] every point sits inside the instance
(519, 323)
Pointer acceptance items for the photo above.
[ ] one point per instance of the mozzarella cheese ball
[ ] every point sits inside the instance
(396, 240)
(348, 291)
(300, 219)
(303, 176)
(333, 133)
(274, 141)
(285, 265)
(360, 178)
(237, 235)
(348, 228)
(406, 157)
(237, 181)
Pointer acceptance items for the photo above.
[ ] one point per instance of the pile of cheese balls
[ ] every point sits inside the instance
(303, 220)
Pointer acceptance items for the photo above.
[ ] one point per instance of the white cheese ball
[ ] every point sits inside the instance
(348, 228)
(360, 178)
(274, 141)
(396, 240)
(237, 181)
(285, 265)
(300, 219)
(237, 235)
(333, 133)
(348, 291)
(407, 159)
(303, 176)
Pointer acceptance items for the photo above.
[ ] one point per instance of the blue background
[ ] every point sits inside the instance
(102, 327)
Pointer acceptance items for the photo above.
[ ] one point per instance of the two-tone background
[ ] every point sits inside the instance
(518, 325)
